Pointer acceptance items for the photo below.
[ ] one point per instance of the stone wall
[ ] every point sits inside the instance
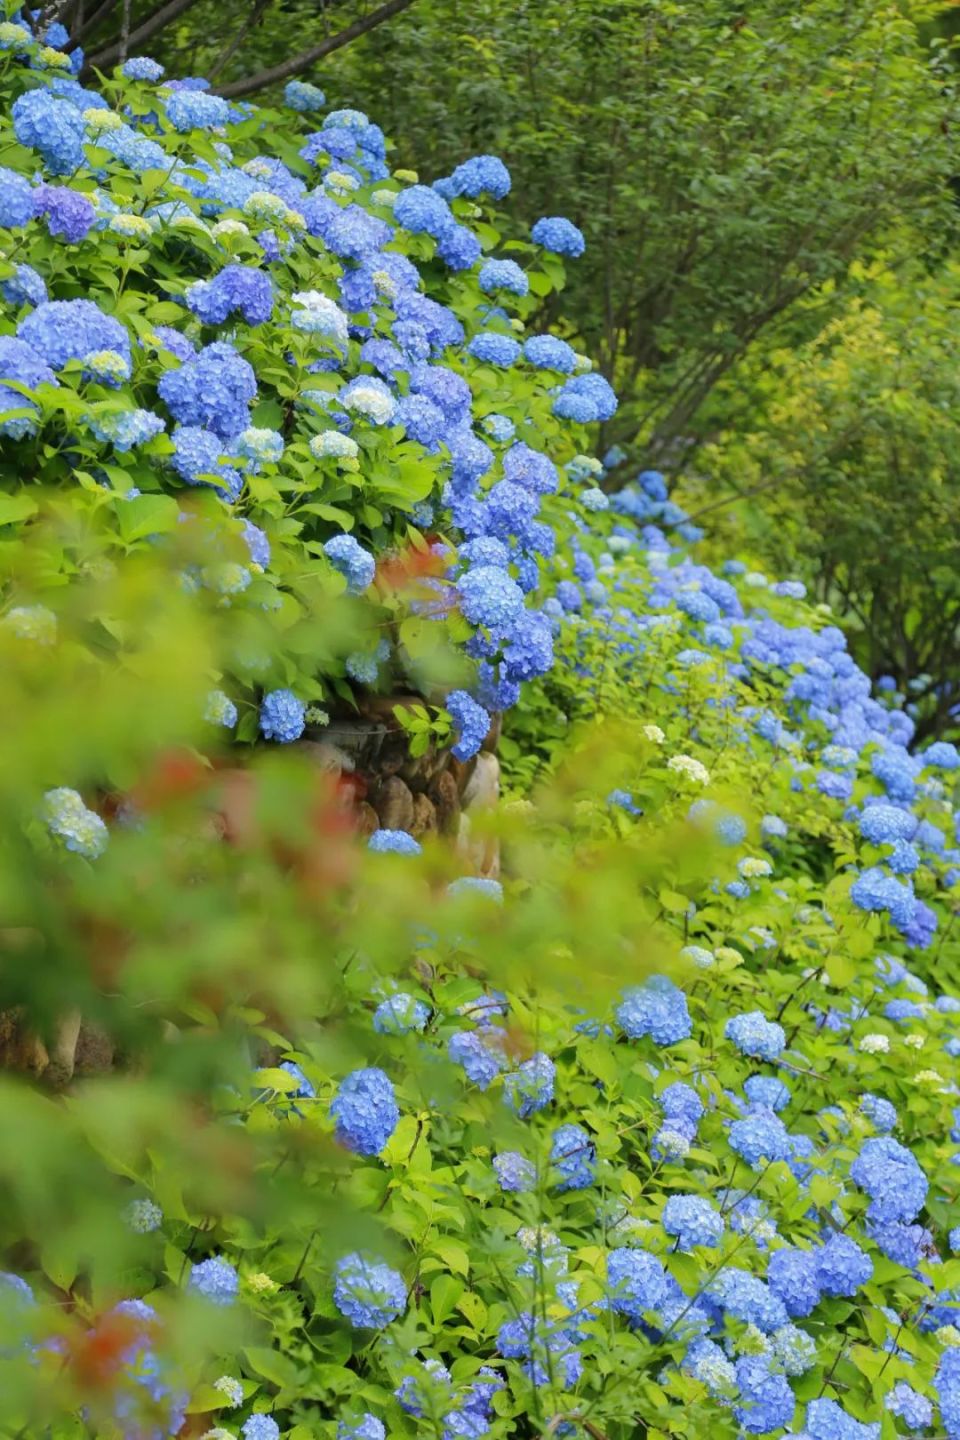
(429, 794)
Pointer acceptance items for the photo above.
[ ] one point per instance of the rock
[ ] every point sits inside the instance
(424, 820)
(20, 1048)
(367, 820)
(482, 790)
(461, 770)
(481, 793)
(326, 756)
(393, 802)
(446, 803)
(493, 734)
(63, 1051)
(95, 1050)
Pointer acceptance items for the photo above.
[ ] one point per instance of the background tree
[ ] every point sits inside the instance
(851, 439)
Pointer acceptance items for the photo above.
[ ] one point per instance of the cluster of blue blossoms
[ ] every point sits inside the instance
(733, 1288)
(373, 349)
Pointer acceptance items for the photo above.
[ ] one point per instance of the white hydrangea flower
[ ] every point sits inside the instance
(689, 768)
(332, 443)
(874, 1044)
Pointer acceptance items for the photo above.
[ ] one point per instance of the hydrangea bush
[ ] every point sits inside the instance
(239, 322)
(659, 1135)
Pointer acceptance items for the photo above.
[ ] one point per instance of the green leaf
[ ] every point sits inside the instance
(146, 515)
(444, 1294)
(16, 507)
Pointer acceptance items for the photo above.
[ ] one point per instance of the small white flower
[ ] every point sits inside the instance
(689, 768)
(916, 1042)
(874, 1044)
(231, 1389)
(698, 956)
(331, 443)
(654, 734)
(752, 868)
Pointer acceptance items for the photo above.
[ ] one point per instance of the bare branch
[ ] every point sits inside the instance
(298, 63)
(156, 22)
(84, 26)
(232, 46)
(124, 32)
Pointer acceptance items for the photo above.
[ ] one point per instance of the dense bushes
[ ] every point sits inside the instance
(657, 1138)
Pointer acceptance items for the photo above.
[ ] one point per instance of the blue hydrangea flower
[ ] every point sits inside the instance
(573, 1156)
(826, 1420)
(64, 330)
(399, 1014)
(586, 399)
(748, 1298)
(760, 1137)
(24, 286)
(842, 1266)
(494, 349)
(257, 544)
(143, 1216)
(423, 212)
(529, 1088)
(366, 1111)
(211, 390)
(522, 465)
(21, 363)
(558, 235)
(480, 175)
(393, 842)
(69, 215)
(305, 1089)
(658, 1009)
(480, 1055)
(883, 824)
(348, 557)
(637, 1283)
(16, 200)
(755, 1035)
(141, 67)
(301, 95)
(368, 1293)
(215, 1279)
(488, 596)
(260, 1427)
(80, 829)
(794, 1276)
(459, 248)
(220, 710)
(195, 110)
(197, 459)
(893, 1179)
(549, 352)
(476, 885)
(52, 126)
(912, 1408)
(472, 723)
(879, 1111)
(503, 275)
(282, 716)
(766, 1401)
(693, 1220)
(236, 289)
(767, 1091)
(515, 1173)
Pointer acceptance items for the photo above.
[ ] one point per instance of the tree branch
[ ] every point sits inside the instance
(298, 63)
(232, 46)
(84, 26)
(156, 22)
